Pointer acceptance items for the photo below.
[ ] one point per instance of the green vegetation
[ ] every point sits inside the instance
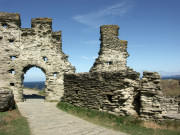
(12, 123)
(42, 92)
(131, 125)
(170, 87)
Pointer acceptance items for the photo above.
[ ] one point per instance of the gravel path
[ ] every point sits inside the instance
(45, 119)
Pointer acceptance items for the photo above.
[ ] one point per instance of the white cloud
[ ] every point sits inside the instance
(106, 15)
(88, 58)
(85, 57)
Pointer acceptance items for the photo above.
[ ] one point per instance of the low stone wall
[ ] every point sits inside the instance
(6, 100)
(114, 92)
(120, 93)
(170, 105)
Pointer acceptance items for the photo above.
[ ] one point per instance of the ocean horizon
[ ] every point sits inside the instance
(34, 85)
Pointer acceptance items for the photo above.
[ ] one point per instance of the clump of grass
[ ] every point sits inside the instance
(12, 123)
(128, 124)
(42, 92)
(173, 125)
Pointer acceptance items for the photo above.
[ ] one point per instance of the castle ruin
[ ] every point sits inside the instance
(110, 85)
(23, 48)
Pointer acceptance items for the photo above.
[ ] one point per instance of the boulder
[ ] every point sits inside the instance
(6, 100)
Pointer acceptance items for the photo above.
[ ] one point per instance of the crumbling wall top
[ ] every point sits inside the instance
(109, 30)
(41, 22)
(113, 51)
(7, 18)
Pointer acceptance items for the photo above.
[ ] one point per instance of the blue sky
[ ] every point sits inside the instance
(151, 27)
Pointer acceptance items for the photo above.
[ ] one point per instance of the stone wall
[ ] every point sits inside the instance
(151, 96)
(121, 93)
(170, 105)
(23, 48)
(114, 92)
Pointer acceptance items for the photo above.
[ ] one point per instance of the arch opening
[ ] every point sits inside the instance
(33, 81)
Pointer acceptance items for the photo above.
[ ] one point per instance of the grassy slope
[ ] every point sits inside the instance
(126, 124)
(170, 87)
(12, 123)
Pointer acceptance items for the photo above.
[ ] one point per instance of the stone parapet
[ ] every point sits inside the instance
(13, 18)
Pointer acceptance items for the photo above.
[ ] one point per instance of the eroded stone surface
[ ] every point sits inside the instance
(23, 48)
(113, 51)
(6, 100)
(154, 106)
(114, 92)
(151, 96)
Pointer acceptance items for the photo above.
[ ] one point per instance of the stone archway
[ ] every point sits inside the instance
(28, 79)
(54, 86)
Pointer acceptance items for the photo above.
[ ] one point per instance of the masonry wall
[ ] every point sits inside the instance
(113, 87)
(151, 96)
(114, 92)
(121, 93)
(24, 48)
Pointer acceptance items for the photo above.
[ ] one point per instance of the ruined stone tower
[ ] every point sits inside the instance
(23, 48)
(113, 51)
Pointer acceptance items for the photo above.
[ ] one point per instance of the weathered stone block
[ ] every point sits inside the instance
(6, 100)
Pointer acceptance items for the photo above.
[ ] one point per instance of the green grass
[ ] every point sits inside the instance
(12, 123)
(131, 125)
(42, 92)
